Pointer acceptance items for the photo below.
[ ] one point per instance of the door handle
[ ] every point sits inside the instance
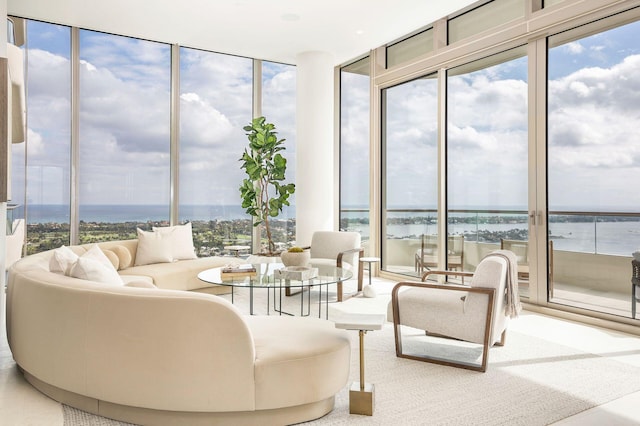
(535, 217)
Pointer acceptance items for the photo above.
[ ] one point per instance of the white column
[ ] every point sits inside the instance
(316, 193)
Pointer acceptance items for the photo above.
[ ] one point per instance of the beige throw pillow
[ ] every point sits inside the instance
(124, 257)
(153, 247)
(113, 258)
(181, 237)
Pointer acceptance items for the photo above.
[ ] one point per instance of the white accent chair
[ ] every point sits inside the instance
(339, 248)
(472, 313)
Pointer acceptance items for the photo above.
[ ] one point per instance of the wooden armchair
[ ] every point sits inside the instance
(342, 249)
(473, 313)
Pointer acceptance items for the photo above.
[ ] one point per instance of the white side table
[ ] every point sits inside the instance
(369, 260)
(361, 394)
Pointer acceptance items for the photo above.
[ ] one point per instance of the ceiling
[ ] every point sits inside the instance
(275, 30)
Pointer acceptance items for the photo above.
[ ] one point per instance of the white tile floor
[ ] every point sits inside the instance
(21, 404)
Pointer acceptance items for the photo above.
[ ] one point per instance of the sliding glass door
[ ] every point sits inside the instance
(410, 173)
(487, 143)
(593, 161)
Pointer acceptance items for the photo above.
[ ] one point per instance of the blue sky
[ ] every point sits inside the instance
(125, 117)
(593, 103)
(594, 109)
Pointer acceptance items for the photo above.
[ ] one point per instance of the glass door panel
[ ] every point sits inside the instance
(410, 173)
(354, 149)
(593, 162)
(487, 166)
(48, 174)
(124, 145)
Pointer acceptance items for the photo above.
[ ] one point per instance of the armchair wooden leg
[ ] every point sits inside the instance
(503, 339)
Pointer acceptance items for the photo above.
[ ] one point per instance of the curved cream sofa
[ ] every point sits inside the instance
(157, 356)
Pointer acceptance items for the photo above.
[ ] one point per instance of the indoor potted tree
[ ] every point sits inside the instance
(264, 192)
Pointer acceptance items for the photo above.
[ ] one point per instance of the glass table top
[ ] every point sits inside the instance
(268, 275)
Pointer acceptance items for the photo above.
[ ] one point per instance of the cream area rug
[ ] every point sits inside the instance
(530, 381)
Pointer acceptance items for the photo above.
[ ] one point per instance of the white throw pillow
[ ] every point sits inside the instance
(153, 247)
(61, 260)
(96, 253)
(88, 268)
(181, 237)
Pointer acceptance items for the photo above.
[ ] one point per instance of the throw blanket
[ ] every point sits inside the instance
(512, 305)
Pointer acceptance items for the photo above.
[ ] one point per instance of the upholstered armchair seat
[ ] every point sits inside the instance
(477, 313)
(446, 308)
(341, 249)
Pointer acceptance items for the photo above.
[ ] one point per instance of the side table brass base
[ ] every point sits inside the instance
(361, 401)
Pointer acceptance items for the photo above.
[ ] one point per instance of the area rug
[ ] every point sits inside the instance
(530, 381)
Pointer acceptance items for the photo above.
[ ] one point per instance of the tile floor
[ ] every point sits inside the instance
(22, 405)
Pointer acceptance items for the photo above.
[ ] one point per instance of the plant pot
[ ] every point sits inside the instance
(295, 259)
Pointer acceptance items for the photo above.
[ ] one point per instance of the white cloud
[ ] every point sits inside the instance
(574, 48)
(36, 148)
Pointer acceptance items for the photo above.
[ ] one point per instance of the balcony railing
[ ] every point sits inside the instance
(611, 233)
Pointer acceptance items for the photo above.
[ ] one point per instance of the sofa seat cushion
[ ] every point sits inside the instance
(298, 362)
(126, 279)
(179, 275)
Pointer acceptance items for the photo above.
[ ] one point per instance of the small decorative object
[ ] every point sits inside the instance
(295, 256)
(300, 273)
(246, 270)
(369, 291)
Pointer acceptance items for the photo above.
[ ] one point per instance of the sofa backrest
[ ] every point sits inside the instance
(125, 250)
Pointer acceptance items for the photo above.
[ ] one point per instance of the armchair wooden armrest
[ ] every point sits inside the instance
(360, 266)
(446, 273)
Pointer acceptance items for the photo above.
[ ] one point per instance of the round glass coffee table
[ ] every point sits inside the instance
(276, 277)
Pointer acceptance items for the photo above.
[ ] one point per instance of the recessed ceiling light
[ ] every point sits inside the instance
(290, 17)
(360, 32)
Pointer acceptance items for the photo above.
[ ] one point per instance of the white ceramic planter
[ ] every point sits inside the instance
(295, 259)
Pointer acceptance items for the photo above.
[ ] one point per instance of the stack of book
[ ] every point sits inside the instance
(243, 270)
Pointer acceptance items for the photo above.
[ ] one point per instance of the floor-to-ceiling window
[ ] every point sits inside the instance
(279, 108)
(124, 144)
(410, 173)
(593, 159)
(124, 139)
(48, 149)
(215, 104)
(487, 142)
(536, 150)
(354, 148)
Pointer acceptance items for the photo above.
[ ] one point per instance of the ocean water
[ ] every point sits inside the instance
(617, 238)
(47, 213)
(605, 236)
